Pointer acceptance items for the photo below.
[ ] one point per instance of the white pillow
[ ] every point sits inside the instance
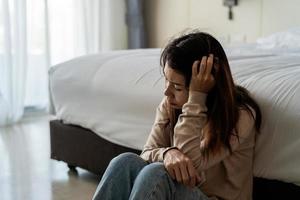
(286, 40)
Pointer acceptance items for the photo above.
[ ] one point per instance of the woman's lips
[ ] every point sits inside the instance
(172, 104)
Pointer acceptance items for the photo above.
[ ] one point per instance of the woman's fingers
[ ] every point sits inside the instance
(184, 174)
(178, 174)
(171, 173)
(206, 65)
(209, 65)
(202, 66)
(195, 67)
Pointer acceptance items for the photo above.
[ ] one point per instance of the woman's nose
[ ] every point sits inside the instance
(167, 91)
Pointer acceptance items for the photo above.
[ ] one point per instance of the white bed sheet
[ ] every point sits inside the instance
(115, 95)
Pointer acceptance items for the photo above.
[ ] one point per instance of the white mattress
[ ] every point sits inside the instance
(115, 95)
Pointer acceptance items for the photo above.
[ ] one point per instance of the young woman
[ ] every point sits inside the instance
(202, 142)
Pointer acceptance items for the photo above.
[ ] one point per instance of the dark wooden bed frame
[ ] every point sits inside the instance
(80, 147)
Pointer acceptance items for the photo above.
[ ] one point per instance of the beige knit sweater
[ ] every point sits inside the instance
(227, 176)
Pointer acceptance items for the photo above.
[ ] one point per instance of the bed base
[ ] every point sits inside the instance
(80, 147)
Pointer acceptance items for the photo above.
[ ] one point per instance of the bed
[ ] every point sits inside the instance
(105, 105)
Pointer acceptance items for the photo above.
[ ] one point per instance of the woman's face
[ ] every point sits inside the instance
(175, 89)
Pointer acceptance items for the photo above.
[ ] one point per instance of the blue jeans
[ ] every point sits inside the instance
(128, 176)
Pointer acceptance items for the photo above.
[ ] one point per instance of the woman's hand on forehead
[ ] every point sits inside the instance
(202, 79)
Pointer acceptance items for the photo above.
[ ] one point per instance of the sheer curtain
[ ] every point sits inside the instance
(36, 34)
(13, 52)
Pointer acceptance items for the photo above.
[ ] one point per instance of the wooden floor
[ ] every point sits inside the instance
(28, 173)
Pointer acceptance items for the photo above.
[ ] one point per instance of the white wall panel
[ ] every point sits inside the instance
(252, 18)
(279, 15)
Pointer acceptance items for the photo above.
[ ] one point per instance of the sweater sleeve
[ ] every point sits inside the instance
(187, 132)
(158, 141)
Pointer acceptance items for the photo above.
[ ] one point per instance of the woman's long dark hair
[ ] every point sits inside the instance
(225, 99)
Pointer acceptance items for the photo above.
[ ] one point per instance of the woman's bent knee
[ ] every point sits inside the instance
(126, 159)
(155, 169)
(126, 156)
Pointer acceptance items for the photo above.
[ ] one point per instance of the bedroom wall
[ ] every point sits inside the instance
(160, 23)
(252, 18)
(278, 16)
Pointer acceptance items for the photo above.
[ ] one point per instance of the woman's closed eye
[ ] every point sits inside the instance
(174, 86)
(177, 87)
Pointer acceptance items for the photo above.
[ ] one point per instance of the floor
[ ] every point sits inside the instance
(28, 173)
